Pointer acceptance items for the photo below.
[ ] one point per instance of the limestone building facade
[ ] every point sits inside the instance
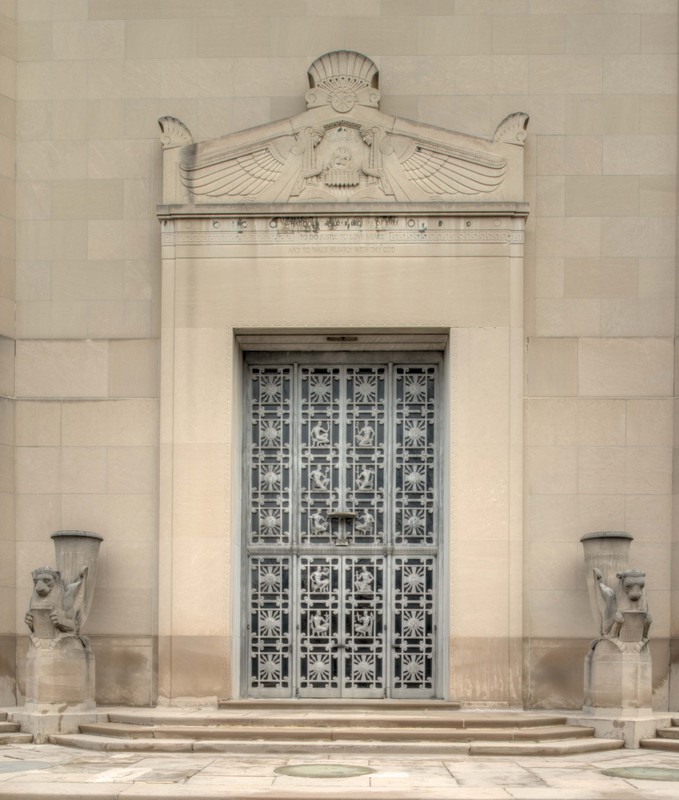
(344, 358)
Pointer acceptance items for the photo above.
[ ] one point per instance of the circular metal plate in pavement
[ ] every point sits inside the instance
(323, 770)
(644, 773)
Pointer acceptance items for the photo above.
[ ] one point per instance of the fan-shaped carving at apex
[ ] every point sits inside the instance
(440, 170)
(343, 64)
(343, 79)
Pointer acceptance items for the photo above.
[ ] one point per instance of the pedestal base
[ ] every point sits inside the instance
(46, 719)
(59, 690)
(61, 676)
(618, 724)
(618, 677)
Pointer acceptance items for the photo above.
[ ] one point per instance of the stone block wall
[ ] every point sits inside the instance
(599, 80)
(7, 287)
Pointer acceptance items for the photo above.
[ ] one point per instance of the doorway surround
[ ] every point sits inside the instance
(338, 230)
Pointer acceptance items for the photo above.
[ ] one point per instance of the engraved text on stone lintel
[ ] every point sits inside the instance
(344, 232)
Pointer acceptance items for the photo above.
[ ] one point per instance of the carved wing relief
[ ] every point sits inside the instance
(245, 174)
(344, 161)
(440, 170)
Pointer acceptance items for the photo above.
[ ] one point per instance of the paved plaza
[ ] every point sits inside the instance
(50, 771)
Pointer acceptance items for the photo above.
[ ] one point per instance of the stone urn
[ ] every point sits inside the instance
(75, 550)
(607, 551)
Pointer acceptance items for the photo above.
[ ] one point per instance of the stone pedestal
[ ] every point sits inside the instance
(617, 679)
(630, 725)
(61, 677)
(59, 692)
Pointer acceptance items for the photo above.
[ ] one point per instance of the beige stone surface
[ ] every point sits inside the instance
(36, 514)
(201, 580)
(116, 517)
(124, 668)
(649, 517)
(565, 517)
(571, 608)
(354, 296)
(597, 277)
(552, 470)
(625, 367)
(649, 422)
(552, 367)
(199, 505)
(485, 605)
(644, 317)
(581, 421)
(133, 368)
(6, 366)
(124, 422)
(62, 369)
(87, 199)
(199, 403)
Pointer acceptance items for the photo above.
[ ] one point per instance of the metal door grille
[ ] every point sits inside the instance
(342, 530)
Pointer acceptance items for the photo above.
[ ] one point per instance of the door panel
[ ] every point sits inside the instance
(342, 530)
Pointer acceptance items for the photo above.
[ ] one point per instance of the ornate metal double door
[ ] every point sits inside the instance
(342, 529)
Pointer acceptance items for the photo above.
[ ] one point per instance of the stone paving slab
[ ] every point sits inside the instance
(65, 774)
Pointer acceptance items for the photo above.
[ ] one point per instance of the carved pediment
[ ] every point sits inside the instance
(343, 149)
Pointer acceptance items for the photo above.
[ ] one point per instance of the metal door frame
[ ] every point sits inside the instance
(353, 358)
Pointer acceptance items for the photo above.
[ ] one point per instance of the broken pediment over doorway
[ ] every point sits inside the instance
(343, 149)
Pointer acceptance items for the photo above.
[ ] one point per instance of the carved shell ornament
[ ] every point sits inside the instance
(344, 149)
(173, 132)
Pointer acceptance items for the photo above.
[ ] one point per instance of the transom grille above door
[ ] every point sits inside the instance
(342, 529)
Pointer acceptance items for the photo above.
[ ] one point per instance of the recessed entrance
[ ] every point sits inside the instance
(342, 525)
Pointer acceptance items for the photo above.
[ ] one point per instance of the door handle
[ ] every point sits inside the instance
(342, 517)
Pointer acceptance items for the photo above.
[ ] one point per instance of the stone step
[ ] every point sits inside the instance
(345, 719)
(16, 738)
(9, 727)
(667, 733)
(344, 748)
(3, 716)
(669, 745)
(325, 704)
(329, 733)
